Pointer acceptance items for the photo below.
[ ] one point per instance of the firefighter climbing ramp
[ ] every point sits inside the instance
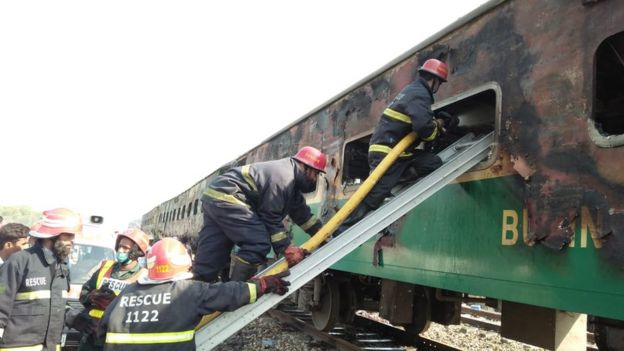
(458, 158)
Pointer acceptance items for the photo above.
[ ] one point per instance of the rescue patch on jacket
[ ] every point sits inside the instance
(35, 281)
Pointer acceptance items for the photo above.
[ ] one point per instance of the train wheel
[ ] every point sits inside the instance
(348, 303)
(609, 338)
(421, 311)
(325, 315)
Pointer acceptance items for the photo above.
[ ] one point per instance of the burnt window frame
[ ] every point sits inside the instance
(604, 140)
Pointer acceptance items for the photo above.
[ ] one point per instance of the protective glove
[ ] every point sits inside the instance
(272, 283)
(101, 298)
(294, 254)
(440, 125)
(450, 121)
(81, 321)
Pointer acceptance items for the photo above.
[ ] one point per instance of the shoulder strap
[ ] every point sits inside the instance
(105, 271)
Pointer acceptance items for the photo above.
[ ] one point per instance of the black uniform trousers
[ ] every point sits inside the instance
(226, 224)
(423, 162)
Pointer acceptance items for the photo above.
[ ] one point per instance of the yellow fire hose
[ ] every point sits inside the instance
(319, 238)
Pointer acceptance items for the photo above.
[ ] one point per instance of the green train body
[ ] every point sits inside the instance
(541, 222)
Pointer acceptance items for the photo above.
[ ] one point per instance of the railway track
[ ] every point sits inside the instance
(363, 334)
(366, 334)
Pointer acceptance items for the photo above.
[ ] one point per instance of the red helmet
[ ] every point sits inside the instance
(312, 157)
(55, 222)
(435, 67)
(137, 236)
(168, 260)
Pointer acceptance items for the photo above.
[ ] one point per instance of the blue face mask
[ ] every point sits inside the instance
(122, 257)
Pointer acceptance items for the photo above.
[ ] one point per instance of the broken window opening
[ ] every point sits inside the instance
(608, 106)
(355, 162)
(477, 113)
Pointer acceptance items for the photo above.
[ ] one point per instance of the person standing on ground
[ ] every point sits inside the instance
(107, 282)
(34, 284)
(13, 238)
(160, 311)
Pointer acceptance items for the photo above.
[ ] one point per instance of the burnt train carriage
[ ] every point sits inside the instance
(539, 225)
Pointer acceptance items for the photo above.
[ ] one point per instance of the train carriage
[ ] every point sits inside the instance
(539, 225)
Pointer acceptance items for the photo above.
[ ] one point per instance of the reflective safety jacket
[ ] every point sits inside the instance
(108, 275)
(410, 110)
(270, 190)
(33, 293)
(164, 316)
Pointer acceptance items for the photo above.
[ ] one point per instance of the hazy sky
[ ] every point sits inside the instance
(113, 107)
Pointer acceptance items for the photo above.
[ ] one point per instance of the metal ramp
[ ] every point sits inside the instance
(458, 158)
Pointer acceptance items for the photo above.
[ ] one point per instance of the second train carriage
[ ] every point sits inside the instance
(539, 225)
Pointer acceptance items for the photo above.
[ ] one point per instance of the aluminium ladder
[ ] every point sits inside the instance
(457, 159)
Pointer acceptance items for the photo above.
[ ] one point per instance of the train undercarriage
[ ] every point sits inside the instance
(335, 297)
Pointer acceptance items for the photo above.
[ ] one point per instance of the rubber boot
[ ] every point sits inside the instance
(241, 271)
(359, 213)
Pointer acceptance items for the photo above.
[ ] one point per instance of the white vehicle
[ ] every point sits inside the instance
(92, 247)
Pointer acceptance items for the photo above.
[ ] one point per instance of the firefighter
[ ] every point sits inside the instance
(409, 111)
(13, 238)
(161, 311)
(246, 205)
(107, 282)
(34, 284)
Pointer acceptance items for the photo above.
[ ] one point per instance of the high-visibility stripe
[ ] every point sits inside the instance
(248, 178)
(224, 197)
(24, 348)
(106, 267)
(33, 295)
(386, 149)
(149, 338)
(95, 313)
(397, 115)
(433, 135)
(240, 259)
(253, 294)
(309, 223)
(37, 295)
(278, 236)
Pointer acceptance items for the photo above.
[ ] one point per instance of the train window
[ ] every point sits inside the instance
(608, 104)
(188, 213)
(478, 111)
(183, 212)
(195, 207)
(355, 163)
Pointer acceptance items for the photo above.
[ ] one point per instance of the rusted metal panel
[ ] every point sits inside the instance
(541, 53)
(396, 302)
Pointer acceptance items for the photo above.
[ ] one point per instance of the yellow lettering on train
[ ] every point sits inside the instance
(510, 231)
(588, 224)
(525, 228)
(510, 225)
